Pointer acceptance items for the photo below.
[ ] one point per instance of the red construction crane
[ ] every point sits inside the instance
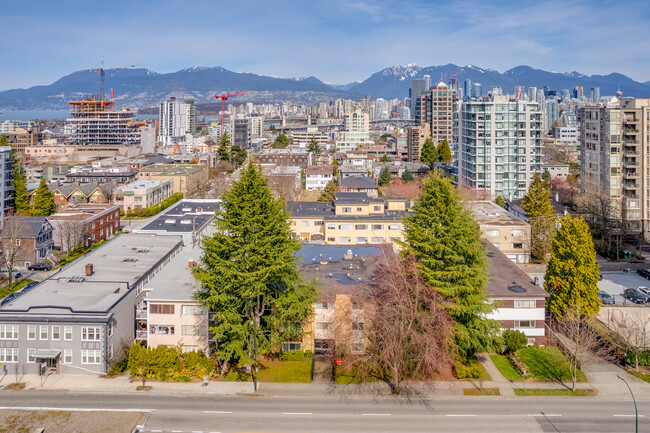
(223, 98)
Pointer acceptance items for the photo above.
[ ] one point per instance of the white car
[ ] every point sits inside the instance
(645, 290)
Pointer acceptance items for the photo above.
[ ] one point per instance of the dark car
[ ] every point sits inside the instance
(636, 261)
(636, 296)
(39, 267)
(10, 298)
(29, 287)
(645, 273)
(605, 298)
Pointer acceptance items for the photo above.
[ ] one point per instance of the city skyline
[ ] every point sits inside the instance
(295, 39)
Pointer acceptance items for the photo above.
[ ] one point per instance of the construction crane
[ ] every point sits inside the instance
(101, 70)
(223, 98)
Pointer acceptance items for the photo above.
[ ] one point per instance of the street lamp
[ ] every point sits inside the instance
(254, 355)
(636, 411)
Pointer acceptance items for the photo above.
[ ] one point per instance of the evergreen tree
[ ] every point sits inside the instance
(281, 141)
(546, 176)
(500, 201)
(248, 273)
(329, 192)
(4, 141)
(335, 168)
(572, 273)
(541, 215)
(238, 155)
(223, 152)
(429, 153)
(384, 158)
(407, 176)
(384, 177)
(313, 146)
(446, 242)
(43, 201)
(19, 181)
(444, 152)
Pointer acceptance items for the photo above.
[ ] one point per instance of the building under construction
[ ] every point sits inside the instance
(93, 122)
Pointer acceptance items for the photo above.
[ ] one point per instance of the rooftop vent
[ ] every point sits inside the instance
(170, 221)
(187, 209)
(142, 250)
(76, 278)
(186, 221)
(129, 259)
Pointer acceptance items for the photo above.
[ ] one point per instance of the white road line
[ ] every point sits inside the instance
(544, 414)
(156, 431)
(461, 414)
(216, 411)
(296, 413)
(177, 431)
(375, 414)
(73, 409)
(640, 416)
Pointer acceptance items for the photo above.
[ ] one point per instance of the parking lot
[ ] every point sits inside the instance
(615, 283)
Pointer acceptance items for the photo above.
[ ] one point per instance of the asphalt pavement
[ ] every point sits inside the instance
(330, 413)
(615, 283)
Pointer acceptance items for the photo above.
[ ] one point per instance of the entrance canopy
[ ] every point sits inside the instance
(47, 354)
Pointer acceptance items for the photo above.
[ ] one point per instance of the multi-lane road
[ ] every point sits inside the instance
(227, 414)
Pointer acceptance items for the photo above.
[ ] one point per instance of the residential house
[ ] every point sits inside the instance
(317, 177)
(70, 194)
(359, 184)
(33, 236)
(397, 168)
(187, 178)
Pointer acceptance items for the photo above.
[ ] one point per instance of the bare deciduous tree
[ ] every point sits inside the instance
(107, 188)
(602, 215)
(71, 233)
(11, 247)
(633, 324)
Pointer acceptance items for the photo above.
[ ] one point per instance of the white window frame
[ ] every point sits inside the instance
(525, 303)
(492, 233)
(67, 356)
(43, 330)
(9, 332)
(320, 326)
(95, 359)
(56, 332)
(9, 355)
(88, 331)
(31, 332)
(532, 324)
(30, 355)
(196, 330)
(67, 331)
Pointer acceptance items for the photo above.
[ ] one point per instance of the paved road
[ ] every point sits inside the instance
(227, 414)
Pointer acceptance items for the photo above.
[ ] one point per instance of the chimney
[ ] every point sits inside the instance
(89, 269)
(190, 263)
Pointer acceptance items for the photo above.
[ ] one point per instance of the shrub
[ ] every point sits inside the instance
(644, 358)
(514, 340)
(469, 370)
(292, 355)
(308, 354)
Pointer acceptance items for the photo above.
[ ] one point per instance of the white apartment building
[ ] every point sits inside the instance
(356, 131)
(498, 145)
(177, 118)
(142, 194)
(317, 177)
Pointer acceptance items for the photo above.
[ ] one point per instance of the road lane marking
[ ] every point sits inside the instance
(296, 413)
(156, 431)
(73, 409)
(216, 411)
(375, 414)
(461, 414)
(640, 416)
(177, 431)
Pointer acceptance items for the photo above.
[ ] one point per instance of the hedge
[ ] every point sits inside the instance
(164, 363)
(295, 355)
(153, 210)
(644, 358)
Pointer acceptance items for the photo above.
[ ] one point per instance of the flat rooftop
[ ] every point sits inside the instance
(507, 280)
(118, 265)
(140, 184)
(172, 169)
(183, 217)
(489, 213)
(175, 281)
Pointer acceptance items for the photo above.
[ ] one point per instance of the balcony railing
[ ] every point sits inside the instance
(141, 315)
(631, 175)
(140, 335)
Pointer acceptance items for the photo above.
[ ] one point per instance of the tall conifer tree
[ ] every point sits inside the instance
(444, 152)
(429, 153)
(43, 201)
(541, 215)
(19, 179)
(446, 242)
(249, 273)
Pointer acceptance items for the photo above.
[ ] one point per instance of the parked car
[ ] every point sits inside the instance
(29, 287)
(636, 261)
(636, 296)
(10, 298)
(645, 290)
(645, 273)
(39, 267)
(4, 273)
(605, 298)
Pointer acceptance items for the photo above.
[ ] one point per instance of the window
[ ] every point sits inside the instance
(31, 332)
(346, 209)
(90, 334)
(56, 332)
(357, 326)
(191, 310)
(377, 208)
(492, 233)
(525, 303)
(292, 327)
(67, 333)
(319, 223)
(357, 305)
(394, 227)
(9, 332)
(162, 329)
(304, 223)
(377, 240)
(324, 326)
(331, 227)
(331, 239)
(90, 357)
(345, 239)
(361, 240)
(291, 345)
(43, 332)
(30, 355)
(189, 330)
(322, 305)
(377, 227)
(109, 329)
(9, 356)
(517, 233)
(517, 245)
(186, 348)
(359, 209)
(161, 309)
(345, 226)
(357, 347)
(524, 323)
(361, 227)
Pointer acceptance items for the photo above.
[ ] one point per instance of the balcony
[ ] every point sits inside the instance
(631, 194)
(140, 335)
(630, 131)
(631, 153)
(140, 314)
(630, 186)
(631, 175)
(630, 163)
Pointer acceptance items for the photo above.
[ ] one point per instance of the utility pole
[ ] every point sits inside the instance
(636, 410)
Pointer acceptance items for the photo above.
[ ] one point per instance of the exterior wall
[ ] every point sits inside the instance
(157, 324)
(510, 317)
(183, 183)
(5, 181)
(314, 182)
(356, 131)
(560, 170)
(507, 239)
(141, 198)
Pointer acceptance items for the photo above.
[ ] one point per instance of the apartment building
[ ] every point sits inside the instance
(356, 131)
(521, 304)
(415, 138)
(503, 230)
(436, 109)
(177, 118)
(288, 157)
(303, 138)
(498, 145)
(79, 319)
(317, 177)
(352, 218)
(21, 138)
(186, 178)
(6, 188)
(142, 194)
(84, 224)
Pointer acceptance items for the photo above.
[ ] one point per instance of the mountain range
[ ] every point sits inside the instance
(142, 88)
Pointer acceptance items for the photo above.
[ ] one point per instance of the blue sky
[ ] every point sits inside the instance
(337, 41)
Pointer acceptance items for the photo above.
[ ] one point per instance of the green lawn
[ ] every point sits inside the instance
(17, 285)
(556, 392)
(641, 376)
(483, 391)
(507, 368)
(547, 364)
(276, 371)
